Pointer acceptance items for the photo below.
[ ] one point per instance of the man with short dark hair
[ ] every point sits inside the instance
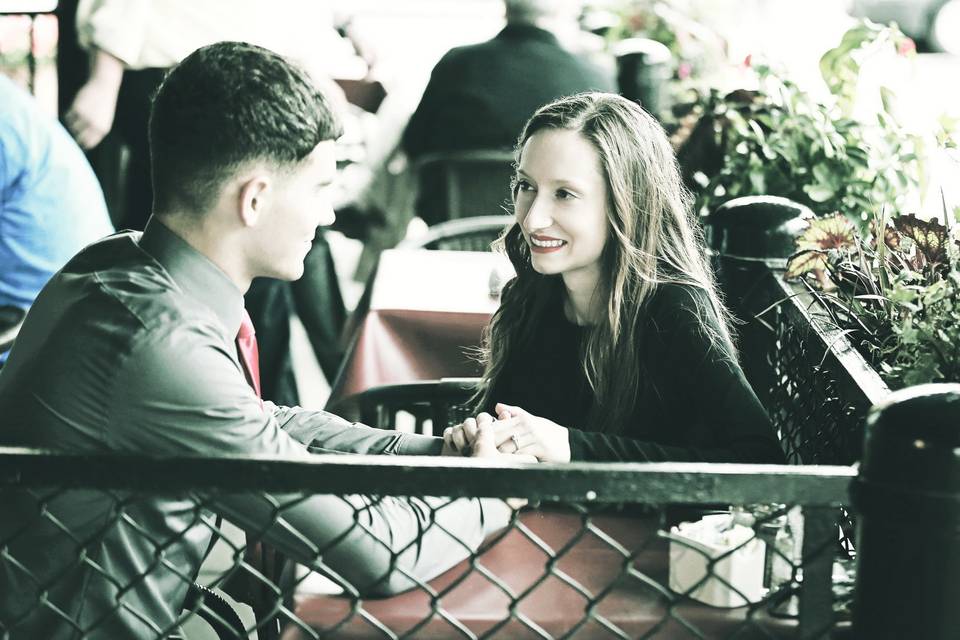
(142, 345)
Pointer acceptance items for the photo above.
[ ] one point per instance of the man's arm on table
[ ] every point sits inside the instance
(325, 432)
(187, 396)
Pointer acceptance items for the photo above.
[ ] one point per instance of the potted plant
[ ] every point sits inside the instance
(894, 290)
(778, 140)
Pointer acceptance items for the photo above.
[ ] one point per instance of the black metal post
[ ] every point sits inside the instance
(908, 534)
(816, 592)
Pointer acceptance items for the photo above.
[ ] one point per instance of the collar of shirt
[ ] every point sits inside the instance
(195, 274)
(527, 32)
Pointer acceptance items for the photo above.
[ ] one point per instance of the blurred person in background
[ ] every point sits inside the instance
(51, 205)
(479, 96)
(132, 43)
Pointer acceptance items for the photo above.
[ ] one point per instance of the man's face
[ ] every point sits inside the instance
(300, 202)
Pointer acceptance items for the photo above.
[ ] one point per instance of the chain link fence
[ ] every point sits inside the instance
(111, 546)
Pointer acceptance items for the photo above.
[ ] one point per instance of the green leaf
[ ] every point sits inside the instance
(935, 292)
(819, 192)
(908, 333)
(902, 294)
(922, 371)
(823, 174)
(805, 262)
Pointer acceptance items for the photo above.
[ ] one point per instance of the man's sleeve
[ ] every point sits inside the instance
(325, 432)
(186, 395)
(115, 26)
(416, 139)
(4, 181)
(369, 545)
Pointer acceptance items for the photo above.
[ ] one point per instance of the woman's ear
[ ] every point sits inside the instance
(252, 199)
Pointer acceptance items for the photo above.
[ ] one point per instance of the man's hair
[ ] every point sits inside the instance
(531, 11)
(227, 105)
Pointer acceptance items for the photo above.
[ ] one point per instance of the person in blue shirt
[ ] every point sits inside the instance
(51, 204)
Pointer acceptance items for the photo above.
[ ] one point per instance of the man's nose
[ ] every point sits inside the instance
(327, 216)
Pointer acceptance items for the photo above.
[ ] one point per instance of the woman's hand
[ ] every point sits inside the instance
(517, 431)
(476, 437)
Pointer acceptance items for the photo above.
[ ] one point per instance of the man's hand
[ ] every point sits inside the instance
(459, 440)
(90, 117)
(476, 437)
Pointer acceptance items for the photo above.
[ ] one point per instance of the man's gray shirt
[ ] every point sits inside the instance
(130, 349)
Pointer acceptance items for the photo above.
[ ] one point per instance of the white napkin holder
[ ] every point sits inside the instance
(709, 538)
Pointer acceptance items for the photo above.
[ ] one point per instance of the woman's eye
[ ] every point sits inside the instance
(563, 194)
(521, 186)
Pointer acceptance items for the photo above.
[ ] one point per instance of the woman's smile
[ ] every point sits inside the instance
(545, 244)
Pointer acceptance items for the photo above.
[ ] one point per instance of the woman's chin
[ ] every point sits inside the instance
(544, 269)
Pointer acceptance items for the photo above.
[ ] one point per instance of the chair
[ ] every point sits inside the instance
(11, 319)
(441, 401)
(458, 184)
(213, 609)
(467, 234)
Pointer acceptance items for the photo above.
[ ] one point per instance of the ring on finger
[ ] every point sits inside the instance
(516, 442)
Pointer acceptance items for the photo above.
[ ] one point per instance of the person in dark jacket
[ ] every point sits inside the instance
(479, 96)
(611, 343)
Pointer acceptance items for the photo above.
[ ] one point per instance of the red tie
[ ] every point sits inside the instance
(264, 559)
(249, 354)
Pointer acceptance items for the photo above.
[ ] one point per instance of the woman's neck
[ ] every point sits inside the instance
(582, 306)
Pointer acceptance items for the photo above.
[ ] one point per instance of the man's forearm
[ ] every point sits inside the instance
(372, 546)
(325, 432)
(106, 71)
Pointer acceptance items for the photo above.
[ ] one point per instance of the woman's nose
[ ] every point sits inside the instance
(538, 216)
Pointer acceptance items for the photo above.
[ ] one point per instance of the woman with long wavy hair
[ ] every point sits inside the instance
(611, 343)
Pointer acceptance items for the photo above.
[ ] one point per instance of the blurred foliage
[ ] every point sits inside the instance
(694, 47)
(778, 140)
(646, 19)
(840, 66)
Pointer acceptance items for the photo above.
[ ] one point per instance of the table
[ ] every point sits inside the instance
(634, 604)
(424, 311)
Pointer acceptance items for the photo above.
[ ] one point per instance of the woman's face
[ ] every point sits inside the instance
(560, 205)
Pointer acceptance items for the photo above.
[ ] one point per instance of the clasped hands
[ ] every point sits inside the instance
(514, 432)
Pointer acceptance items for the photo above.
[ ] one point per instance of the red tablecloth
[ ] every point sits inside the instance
(427, 310)
(634, 604)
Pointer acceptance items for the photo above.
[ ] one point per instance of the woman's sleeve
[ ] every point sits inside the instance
(690, 369)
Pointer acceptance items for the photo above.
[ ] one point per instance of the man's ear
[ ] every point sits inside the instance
(253, 195)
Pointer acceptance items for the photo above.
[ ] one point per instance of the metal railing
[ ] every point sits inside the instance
(589, 555)
(816, 386)
(594, 540)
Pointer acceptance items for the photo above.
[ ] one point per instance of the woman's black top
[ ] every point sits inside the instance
(693, 404)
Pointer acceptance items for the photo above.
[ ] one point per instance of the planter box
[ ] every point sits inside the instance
(814, 383)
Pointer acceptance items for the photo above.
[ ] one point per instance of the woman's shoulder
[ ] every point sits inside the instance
(679, 309)
(676, 300)
(684, 319)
